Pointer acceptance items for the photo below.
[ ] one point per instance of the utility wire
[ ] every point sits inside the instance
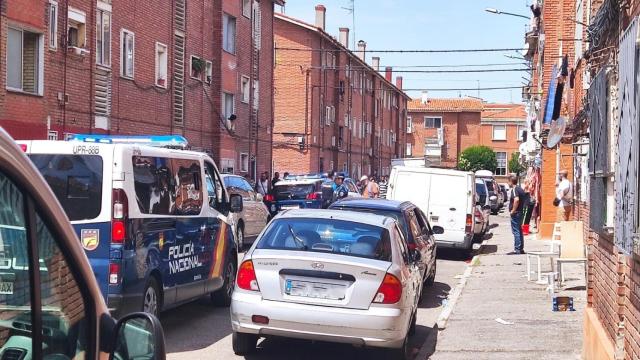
(329, 68)
(450, 66)
(404, 51)
(412, 89)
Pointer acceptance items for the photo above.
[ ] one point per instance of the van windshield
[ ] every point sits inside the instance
(76, 180)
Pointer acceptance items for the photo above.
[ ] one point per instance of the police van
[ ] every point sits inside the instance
(151, 217)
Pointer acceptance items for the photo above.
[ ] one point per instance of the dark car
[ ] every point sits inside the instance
(295, 194)
(493, 189)
(413, 222)
(505, 192)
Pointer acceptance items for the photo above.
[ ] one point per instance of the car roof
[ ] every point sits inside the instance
(376, 204)
(364, 218)
(299, 182)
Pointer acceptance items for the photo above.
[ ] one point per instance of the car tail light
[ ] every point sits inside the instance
(119, 216)
(469, 223)
(314, 196)
(269, 197)
(247, 277)
(390, 290)
(114, 271)
(259, 319)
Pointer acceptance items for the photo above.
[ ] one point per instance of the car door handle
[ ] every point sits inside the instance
(452, 209)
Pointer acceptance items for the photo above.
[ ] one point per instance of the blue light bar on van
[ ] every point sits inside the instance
(172, 141)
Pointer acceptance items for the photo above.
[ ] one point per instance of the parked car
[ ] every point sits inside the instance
(446, 196)
(487, 201)
(494, 195)
(415, 227)
(149, 217)
(254, 216)
(295, 194)
(325, 275)
(52, 305)
(505, 192)
(481, 221)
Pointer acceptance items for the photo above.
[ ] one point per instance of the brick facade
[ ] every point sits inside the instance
(332, 110)
(71, 97)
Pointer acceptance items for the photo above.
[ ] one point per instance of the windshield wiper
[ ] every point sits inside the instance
(300, 242)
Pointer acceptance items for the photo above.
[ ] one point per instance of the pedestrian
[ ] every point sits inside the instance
(564, 191)
(286, 175)
(383, 187)
(529, 203)
(341, 190)
(372, 190)
(262, 186)
(276, 178)
(516, 204)
(364, 180)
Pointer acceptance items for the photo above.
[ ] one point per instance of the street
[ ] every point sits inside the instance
(198, 330)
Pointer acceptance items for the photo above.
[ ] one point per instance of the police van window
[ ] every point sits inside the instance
(214, 186)
(189, 194)
(76, 180)
(63, 309)
(154, 185)
(247, 187)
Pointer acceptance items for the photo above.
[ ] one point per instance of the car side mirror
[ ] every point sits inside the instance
(486, 207)
(235, 201)
(415, 255)
(493, 198)
(437, 230)
(139, 336)
(259, 197)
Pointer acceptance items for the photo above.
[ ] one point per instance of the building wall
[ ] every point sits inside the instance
(509, 146)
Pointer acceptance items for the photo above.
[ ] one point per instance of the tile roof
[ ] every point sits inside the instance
(446, 105)
(503, 112)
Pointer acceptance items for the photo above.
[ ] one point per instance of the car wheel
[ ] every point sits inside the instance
(240, 237)
(432, 277)
(400, 354)
(222, 297)
(151, 299)
(243, 344)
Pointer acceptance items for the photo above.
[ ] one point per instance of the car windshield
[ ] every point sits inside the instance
(481, 189)
(293, 191)
(328, 236)
(395, 215)
(489, 185)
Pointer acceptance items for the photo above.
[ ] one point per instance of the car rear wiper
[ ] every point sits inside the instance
(300, 242)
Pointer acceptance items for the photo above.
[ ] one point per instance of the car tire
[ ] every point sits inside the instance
(431, 279)
(151, 298)
(240, 236)
(222, 296)
(243, 344)
(402, 353)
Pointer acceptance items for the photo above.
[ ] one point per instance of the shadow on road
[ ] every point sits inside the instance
(488, 249)
(433, 296)
(453, 254)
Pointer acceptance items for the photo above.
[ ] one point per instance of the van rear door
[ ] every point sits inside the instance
(449, 201)
(410, 185)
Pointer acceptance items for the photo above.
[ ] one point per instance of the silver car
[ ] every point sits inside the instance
(254, 216)
(328, 275)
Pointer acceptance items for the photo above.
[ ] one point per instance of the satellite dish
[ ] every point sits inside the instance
(556, 131)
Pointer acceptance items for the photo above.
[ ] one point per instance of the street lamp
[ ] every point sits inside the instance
(498, 12)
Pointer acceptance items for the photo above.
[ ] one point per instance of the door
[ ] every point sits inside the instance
(448, 201)
(59, 310)
(411, 186)
(254, 220)
(418, 241)
(428, 242)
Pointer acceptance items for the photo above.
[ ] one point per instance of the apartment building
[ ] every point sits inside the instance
(333, 111)
(503, 128)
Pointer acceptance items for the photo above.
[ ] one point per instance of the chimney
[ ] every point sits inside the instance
(344, 37)
(388, 73)
(320, 16)
(375, 63)
(425, 97)
(362, 47)
(399, 82)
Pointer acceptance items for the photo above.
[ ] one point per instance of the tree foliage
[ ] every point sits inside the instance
(476, 158)
(515, 166)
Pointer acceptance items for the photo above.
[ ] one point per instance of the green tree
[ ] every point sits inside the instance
(515, 166)
(476, 158)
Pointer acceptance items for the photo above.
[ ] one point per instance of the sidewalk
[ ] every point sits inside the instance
(498, 288)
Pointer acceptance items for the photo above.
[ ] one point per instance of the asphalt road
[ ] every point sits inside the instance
(201, 331)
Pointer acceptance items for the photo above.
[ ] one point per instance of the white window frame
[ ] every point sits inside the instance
(40, 63)
(433, 122)
(246, 8)
(100, 13)
(52, 135)
(244, 162)
(160, 46)
(225, 43)
(123, 68)
(521, 130)
(409, 125)
(53, 24)
(409, 150)
(493, 132)
(78, 17)
(199, 77)
(224, 104)
(245, 89)
(506, 163)
(225, 164)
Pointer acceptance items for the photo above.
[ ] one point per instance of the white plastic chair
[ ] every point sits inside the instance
(554, 243)
(573, 249)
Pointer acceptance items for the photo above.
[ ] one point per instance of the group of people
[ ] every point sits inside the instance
(370, 188)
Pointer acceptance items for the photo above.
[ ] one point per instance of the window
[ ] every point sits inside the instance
(127, 53)
(257, 25)
(197, 67)
(229, 33)
(103, 38)
(244, 162)
(53, 24)
(432, 122)
(161, 65)
(228, 165)
(501, 157)
(409, 125)
(228, 105)
(409, 149)
(24, 61)
(246, 8)
(521, 131)
(245, 88)
(208, 72)
(52, 135)
(62, 302)
(76, 31)
(499, 132)
(340, 136)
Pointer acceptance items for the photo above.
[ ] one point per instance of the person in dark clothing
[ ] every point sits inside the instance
(276, 178)
(516, 204)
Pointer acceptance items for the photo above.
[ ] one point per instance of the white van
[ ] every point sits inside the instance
(445, 196)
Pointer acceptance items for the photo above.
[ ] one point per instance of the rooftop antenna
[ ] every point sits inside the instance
(352, 10)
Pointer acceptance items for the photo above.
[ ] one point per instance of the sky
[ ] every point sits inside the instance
(434, 25)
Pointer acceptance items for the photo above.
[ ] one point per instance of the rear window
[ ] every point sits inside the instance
(329, 236)
(480, 189)
(76, 180)
(293, 192)
(395, 215)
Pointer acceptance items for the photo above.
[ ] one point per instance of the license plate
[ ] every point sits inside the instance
(288, 207)
(6, 288)
(315, 290)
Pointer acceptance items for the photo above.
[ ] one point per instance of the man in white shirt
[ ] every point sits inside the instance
(564, 193)
(262, 186)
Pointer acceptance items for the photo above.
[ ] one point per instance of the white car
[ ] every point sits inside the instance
(254, 216)
(327, 275)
